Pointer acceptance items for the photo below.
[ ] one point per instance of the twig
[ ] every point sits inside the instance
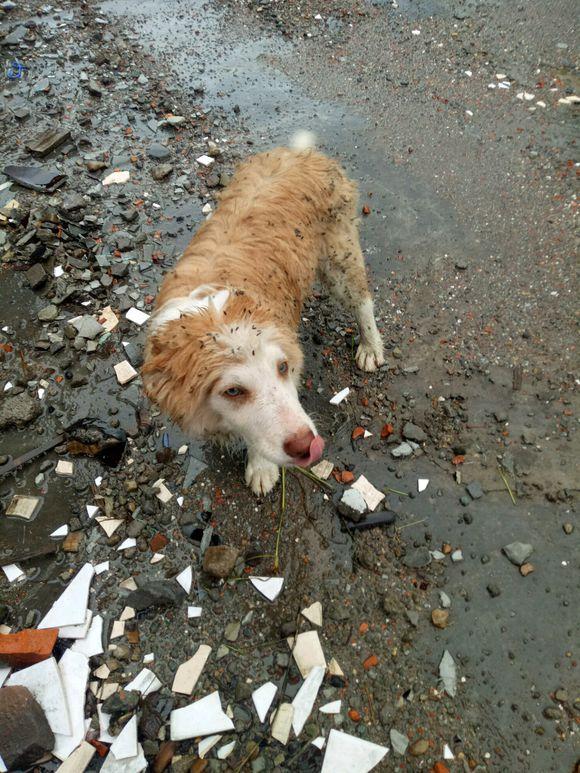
(312, 477)
(507, 485)
(280, 523)
(413, 523)
(396, 491)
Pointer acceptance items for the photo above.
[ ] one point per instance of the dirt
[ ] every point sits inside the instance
(471, 253)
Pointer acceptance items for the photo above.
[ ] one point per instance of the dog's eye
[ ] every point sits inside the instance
(283, 368)
(234, 392)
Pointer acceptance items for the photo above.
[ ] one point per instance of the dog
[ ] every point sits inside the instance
(222, 357)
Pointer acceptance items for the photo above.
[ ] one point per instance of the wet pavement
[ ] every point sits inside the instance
(471, 252)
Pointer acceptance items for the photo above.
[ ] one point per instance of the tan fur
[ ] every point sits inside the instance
(286, 215)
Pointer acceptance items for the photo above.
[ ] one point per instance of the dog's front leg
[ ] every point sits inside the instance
(261, 474)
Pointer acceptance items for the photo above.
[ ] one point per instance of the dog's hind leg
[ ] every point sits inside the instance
(342, 270)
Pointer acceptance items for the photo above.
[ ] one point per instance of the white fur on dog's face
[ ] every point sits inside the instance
(266, 412)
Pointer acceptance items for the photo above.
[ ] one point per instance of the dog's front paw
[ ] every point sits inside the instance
(261, 475)
(369, 357)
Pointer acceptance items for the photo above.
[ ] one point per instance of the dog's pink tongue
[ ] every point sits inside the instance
(316, 449)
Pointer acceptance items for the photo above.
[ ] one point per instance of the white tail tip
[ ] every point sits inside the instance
(303, 140)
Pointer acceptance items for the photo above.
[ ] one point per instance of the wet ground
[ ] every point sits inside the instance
(470, 246)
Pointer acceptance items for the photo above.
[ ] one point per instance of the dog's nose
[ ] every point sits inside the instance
(298, 445)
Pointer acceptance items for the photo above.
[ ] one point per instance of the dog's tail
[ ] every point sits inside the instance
(303, 140)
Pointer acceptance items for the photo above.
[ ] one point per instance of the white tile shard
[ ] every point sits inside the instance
(70, 608)
(224, 751)
(125, 372)
(188, 673)
(319, 742)
(4, 674)
(323, 469)
(92, 644)
(76, 631)
(205, 160)
(269, 587)
(207, 744)
(127, 614)
(13, 572)
(307, 652)
(145, 682)
(109, 525)
(371, 495)
(334, 669)
(127, 544)
(79, 760)
(305, 697)
(104, 722)
(346, 753)
(313, 613)
(62, 531)
(162, 493)
(102, 567)
(130, 765)
(262, 699)
(137, 316)
(185, 578)
(118, 629)
(44, 681)
(92, 510)
(64, 468)
(331, 708)
(74, 671)
(125, 744)
(116, 178)
(422, 484)
(194, 612)
(340, 396)
(282, 723)
(447, 753)
(23, 506)
(203, 717)
(448, 674)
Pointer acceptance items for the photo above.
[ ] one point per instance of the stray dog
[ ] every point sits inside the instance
(222, 355)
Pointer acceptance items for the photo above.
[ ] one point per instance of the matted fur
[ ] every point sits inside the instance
(286, 215)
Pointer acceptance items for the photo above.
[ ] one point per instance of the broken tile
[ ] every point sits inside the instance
(71, 606)
(129, 765)
(193, 612)
(76, 631)
(334, 669)
(137, 316)
(109, 321)
(224, 751)
(64, 468)
(203, 717)
(269, 587)
(145, 682)
(45, 142)
(319, 742)
(205, 160)
(92, 644)
(207, 744)
(262, 699)
(27, 647)
(128, 543)
(345, 753)
(372, 496)
(308, 653)
(128, 584)
(305, 697)
(185, 578)
(163, 492)
(323, 469)
(331, 708)
(13, 572)
(125, 744)
(45, 682)
(102, 567)
(116, 178)
(92, 510)
(109, 525)
(422, 484)
(62, 531)
(188, 673)
(79, 760)
(22, 506)
(313, 613)
(340, 396)
(282, 723)
(102, 672)
(125, 372)
(117, 630)
(74, 671)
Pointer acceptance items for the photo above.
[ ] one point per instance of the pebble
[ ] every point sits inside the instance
(419, 748)
(474, 490)
(48, 313)
(417, 558)
(568, 528)
(518, 552)
(399, 742)
(493, 589)
(161, 171)
(413, 432)
(402, 450)
(219, 560)
(440, 618)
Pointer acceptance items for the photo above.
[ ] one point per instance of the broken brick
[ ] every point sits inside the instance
(27, 647)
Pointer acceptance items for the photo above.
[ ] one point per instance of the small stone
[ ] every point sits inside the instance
(232, 631)
(419, 748)
(87, 327)
(461, 264)
(399, 742)
(526, 569)
(121, 702)
(157, 593)
(418, 558)
(402, 450)
(48, 313)
(413, 432)
(568, 528)
(518, 552)
(18, 410)
(94, 88)
(158, 151)
(561, 695)
(551, 712)
(219, 560)
(440, 618)
(457, 556)
(444, 600)
(25, 735)
(413, 617)
(36, 276)
(474, 490)
(494, 590)
(161, 171)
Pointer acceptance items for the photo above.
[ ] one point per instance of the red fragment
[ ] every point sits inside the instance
(357, 433)
(370, 662)
(27, 647)
(387, 430)
(158, 542)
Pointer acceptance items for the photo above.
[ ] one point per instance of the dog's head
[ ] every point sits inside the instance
(229, 368)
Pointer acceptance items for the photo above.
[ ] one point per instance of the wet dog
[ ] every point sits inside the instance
(222, 356)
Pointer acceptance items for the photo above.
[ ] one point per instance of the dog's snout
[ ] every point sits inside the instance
(298, 445)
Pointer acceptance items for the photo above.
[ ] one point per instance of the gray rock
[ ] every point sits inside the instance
(494, 590)
(417, 558)
(25, 734)
(352, 505)
(518, 552)
(457, 556)
(232, 631)
(18, 410)
(413, 432)
(155, 593)
(474, 490)
(413, 617)
(88, 327)
(36, 276)
(161, 171)
(399, 742)
(48, 313)
(158, 151)
(13, 38)
(402, 450)
(444, 600)
(219, 560)
(121, 702)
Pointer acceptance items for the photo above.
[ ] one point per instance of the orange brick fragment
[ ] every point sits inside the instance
(27, 647)
(371, 662)
(440, 767)
(387, 430)
(346, 477)
(354, 715)
(158, 542)
(363, 628)
(357, 432)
